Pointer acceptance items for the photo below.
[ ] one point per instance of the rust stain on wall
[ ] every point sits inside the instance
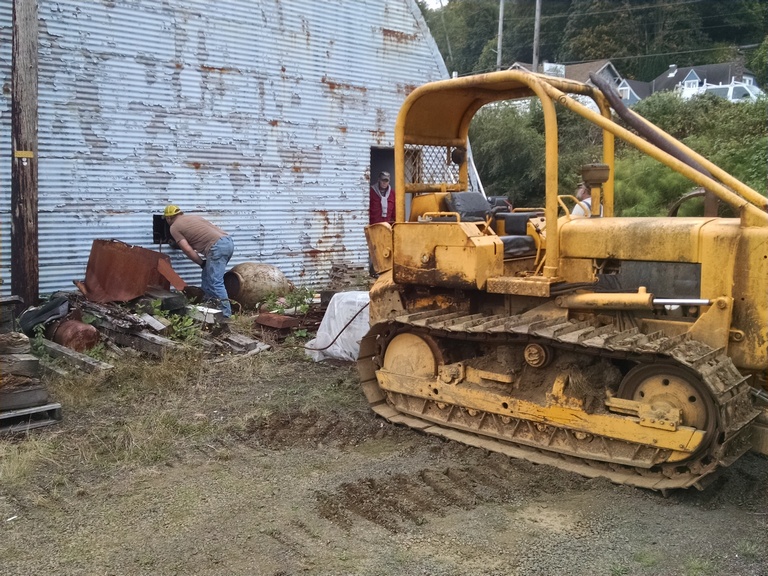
(325, 217)
(397, 36)
(340, 86)
(204, 68)
(274, 122)
(406, 89)
(378, 135)
(195, 165)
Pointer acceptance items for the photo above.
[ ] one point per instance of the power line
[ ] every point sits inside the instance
(647, 55)
(629, 8)
(569, 14)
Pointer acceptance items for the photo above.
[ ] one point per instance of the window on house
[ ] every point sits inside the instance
(749, 81)
(624, 93)
(691, 84)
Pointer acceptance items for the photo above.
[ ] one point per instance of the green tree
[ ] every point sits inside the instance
(461, 29)
(758, 62)
(599, 29)
(731, 135)
(734, 22)
(517, 38)
(508, 153)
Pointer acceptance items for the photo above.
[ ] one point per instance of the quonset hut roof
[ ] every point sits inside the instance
(259, 115)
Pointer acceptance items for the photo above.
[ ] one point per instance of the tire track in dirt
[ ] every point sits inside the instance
(306, 429)
(407, 499)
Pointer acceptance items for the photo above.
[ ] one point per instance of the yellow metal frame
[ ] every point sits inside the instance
(439, 114)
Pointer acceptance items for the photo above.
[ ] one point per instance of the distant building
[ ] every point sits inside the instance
(632, 91)
(579, 72)
(729, 80)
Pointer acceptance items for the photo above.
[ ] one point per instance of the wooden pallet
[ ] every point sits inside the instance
(13, 421)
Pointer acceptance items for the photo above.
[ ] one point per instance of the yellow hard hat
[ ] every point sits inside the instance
(171, 210)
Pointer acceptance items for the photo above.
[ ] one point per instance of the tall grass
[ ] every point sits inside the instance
(146, 412)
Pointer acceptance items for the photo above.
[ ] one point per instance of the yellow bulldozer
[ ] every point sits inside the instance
(634, 349)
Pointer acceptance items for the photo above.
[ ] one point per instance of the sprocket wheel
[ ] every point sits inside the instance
(665, 383)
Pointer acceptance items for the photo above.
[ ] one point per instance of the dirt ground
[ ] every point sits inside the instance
(304, 489)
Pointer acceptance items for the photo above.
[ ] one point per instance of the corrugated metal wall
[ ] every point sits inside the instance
(259, 115)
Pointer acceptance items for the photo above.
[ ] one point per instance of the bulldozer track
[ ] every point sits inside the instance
(620, 461)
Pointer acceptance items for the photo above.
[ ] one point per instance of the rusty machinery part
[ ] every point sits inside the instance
(696, 390)
(537, 355)
(675, 387)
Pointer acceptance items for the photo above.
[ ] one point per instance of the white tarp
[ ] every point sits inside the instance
(341, 309)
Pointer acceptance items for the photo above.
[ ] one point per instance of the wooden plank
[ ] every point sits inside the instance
(49, 368)
(73, 358)
(168, 300)
(20, 365)
(277, 321)
(241, 341)
(205, 314)
(12, 421)
(142, 341)
(10, 306)
(760, 435)
(262, 347)
(23, 396)
(155, 324)
(14, 343)
(115, 318)
(25, 273)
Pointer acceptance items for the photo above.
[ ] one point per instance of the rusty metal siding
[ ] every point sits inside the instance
(258, 115)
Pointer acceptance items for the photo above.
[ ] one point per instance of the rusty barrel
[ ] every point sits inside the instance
(250, 283)
(73, 334)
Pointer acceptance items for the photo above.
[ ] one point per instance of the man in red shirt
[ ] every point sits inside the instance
(382, 204)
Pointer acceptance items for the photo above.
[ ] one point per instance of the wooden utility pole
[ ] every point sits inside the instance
(498, 39)
(25, 272)
(536, 27)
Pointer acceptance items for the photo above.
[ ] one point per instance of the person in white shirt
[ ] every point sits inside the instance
(584, 195)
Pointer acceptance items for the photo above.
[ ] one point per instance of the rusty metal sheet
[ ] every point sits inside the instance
(118, 272)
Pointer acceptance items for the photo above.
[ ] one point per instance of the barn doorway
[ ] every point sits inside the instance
(383, 160)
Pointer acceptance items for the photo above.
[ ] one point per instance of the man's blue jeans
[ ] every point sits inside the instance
(213, 273)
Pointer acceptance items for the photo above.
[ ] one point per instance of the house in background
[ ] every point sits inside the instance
(632, 91)
(579, 72)
(265, 117)
(729, 80)
(604, 68)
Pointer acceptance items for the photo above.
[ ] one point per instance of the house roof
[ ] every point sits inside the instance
(581, 71)
(642, 89)
(710, 73)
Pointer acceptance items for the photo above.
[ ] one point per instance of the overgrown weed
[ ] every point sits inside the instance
(146, 412)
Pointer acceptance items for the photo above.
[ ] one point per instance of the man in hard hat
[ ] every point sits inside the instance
(196, 236)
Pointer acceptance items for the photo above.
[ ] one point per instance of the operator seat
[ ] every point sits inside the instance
(474, 207)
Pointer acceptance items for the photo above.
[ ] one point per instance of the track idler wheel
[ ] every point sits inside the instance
(412, 355)
(676, 387)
